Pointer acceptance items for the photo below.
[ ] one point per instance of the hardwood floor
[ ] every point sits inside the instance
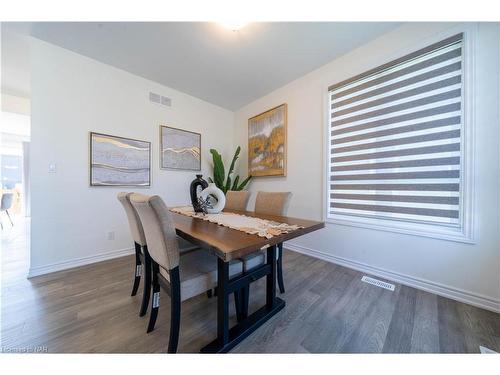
(328, 310)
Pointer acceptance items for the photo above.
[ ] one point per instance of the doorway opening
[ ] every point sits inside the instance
(15, 194)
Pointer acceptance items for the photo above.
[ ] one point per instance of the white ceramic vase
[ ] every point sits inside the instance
(218, 194)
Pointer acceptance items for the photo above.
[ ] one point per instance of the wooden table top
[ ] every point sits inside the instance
(229, 243)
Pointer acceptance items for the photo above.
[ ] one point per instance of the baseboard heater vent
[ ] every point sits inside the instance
(379, 283)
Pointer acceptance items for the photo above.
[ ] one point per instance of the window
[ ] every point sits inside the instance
(396, 142)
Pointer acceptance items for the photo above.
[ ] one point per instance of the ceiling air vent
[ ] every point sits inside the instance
(166, 101)
(158, 99)
(155, 98)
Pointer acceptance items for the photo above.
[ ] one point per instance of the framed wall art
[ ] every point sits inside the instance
(119, 161)
(267, 143)
(180, 149)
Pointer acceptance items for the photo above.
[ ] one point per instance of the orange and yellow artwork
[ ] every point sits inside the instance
(267, 143)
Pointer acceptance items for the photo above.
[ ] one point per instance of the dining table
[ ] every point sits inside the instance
(231, 244)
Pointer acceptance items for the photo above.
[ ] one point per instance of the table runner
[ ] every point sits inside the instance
(248, 224)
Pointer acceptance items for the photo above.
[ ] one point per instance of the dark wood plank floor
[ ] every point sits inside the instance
(328, 310)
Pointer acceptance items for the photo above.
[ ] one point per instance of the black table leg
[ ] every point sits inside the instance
(271, 277)
(222, 302)
(229, 338)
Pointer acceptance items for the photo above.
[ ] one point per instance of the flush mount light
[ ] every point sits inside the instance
(233, 25)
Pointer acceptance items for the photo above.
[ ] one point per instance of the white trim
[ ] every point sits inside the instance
(78, 262)
(447, 291)
(83, 261)
(467, 185)
(436, 231)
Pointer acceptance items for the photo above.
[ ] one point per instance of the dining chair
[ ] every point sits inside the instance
(5, 205)
(182, 277)
(272, 204)
(141, 250)
(237, 200)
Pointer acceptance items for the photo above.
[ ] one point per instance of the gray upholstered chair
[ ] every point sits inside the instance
(237, 200)
(272, 204)
(182, 277)
(6, 204)
(140, 250)
(142, 262)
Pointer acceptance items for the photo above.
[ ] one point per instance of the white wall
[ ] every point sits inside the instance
(16, 104)
(71, 96)
(466, 272)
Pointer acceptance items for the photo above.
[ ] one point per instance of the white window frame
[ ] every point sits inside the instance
(465, 231)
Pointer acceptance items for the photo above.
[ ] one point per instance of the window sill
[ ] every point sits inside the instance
(421, 230)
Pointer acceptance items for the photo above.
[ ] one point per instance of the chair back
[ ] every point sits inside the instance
(237, 200)
(133, 219)
(159, 229)
(271, 203)
(6, 201)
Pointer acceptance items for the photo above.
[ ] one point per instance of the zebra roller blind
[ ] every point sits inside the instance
(395, 139)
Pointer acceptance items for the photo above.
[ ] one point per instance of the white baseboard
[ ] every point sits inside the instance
(426, 285)
(78, 262)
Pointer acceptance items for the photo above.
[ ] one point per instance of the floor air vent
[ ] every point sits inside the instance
(485, 350)
(379, 283)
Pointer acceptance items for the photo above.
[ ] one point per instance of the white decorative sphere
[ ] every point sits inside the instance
(214, 191)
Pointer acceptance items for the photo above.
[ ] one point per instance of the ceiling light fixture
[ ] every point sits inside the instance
(233, 25)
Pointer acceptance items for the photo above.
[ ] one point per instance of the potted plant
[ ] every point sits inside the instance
(220, 180)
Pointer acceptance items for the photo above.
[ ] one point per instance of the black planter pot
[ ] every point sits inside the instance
(193, 190)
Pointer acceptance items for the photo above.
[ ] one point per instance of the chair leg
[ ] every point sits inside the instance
(175, 310)
(245, 295)
(147, 282)
(281, 284)
(8, 215)
(155, 303)
(138, 269)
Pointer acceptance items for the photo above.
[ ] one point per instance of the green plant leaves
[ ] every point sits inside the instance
(235, 157)
(235, 183)
(228, 185)
(219, 173)
(243, 184)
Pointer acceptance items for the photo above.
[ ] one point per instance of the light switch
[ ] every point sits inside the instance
(52, 168)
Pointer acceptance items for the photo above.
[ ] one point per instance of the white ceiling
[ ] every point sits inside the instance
(227, 68)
